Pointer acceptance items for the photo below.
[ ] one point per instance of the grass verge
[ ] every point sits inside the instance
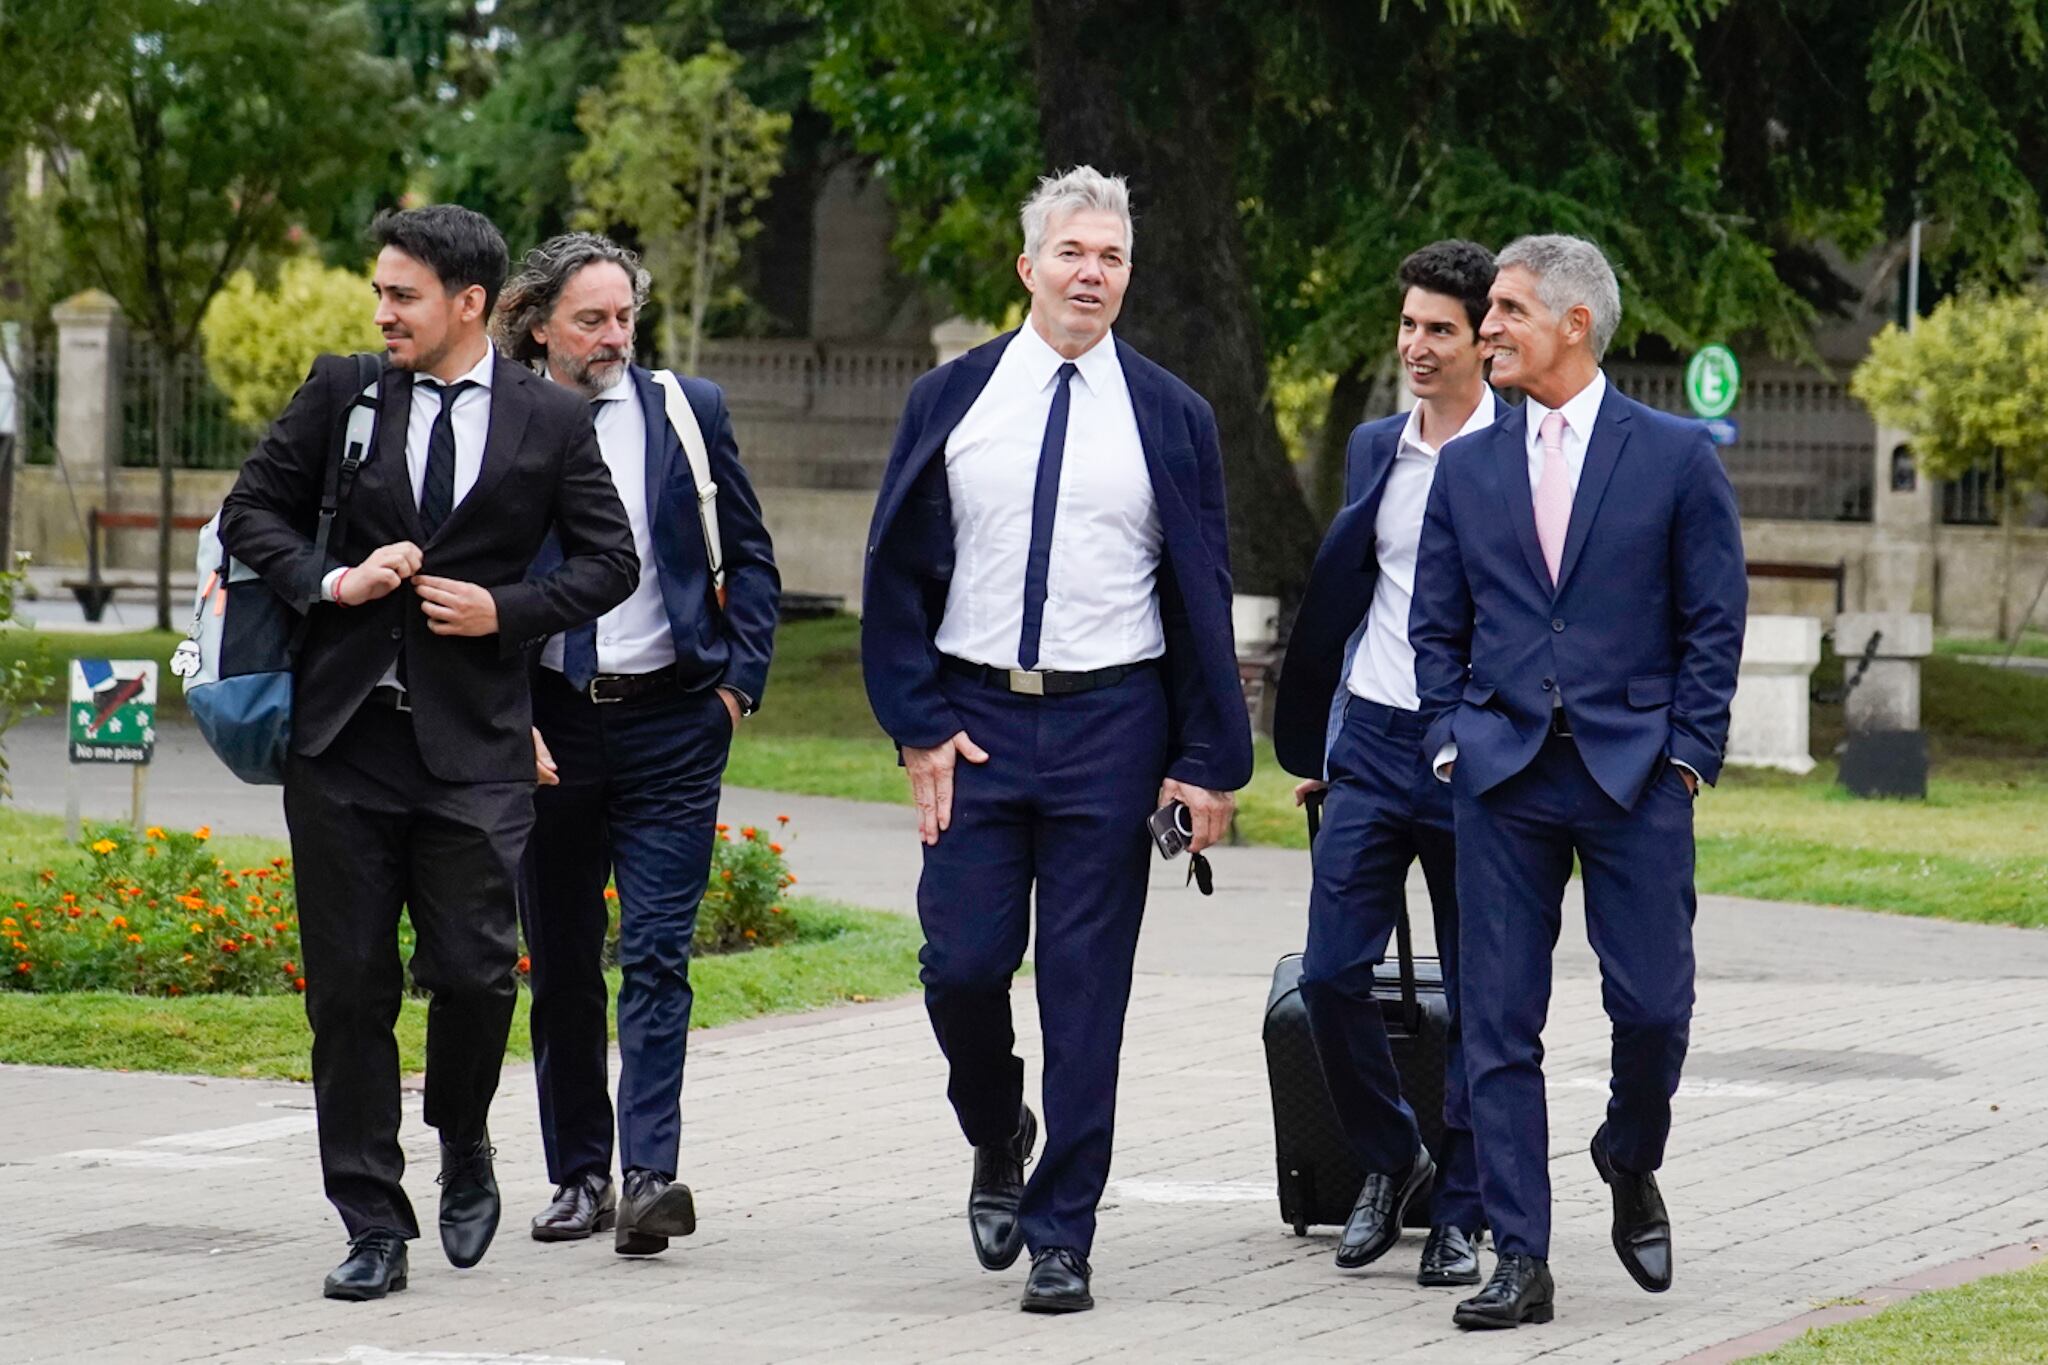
(840, 954)
(1992, 1321)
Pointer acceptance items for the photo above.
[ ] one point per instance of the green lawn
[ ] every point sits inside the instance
(1993, 1321)
(2034, 645)
(58, 647)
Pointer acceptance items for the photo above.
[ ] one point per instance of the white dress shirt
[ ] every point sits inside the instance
(1101, 605)
(634, 636)
(1383, 667)
(471, 425)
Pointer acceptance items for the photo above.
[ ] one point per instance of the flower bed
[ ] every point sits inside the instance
(159, 914)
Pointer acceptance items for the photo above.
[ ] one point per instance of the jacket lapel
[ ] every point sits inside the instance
(1603, 452)
(1384, 449)
(510, 407)
(394, 417)
(659, 444)
(1511, 475)
(969, 376)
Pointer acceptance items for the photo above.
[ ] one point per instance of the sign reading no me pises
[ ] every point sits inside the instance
(111, 713)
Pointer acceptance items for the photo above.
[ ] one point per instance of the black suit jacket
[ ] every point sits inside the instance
(472, 708)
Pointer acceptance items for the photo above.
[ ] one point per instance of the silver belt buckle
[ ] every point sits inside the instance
(1028, 681)
(595, 699)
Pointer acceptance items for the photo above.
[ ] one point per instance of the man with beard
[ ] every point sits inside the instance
(410, 779)
(634, 715)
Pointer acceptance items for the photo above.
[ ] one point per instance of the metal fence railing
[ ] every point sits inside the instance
(863, 383)
(1804, 449)
(34, 366)
(204, 435)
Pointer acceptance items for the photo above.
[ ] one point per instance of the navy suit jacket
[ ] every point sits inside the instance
(729, 648)
(910, 565)
(1643, 632)
(1333, 610)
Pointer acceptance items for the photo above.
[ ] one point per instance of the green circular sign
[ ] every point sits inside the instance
(1712, 380)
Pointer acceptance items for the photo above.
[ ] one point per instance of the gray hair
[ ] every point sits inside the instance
(529, 297)
(1074, 191)
(1570, 272)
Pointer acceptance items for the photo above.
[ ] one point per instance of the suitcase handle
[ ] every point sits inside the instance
(1411, 1008)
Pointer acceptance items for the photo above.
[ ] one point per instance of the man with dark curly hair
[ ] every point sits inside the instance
(1347, 722)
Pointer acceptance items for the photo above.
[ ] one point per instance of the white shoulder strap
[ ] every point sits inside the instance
(684, 422)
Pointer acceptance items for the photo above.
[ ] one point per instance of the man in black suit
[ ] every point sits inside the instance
(639, 708)
(410, 780)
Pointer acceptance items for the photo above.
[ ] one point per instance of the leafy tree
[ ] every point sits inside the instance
(260, 340)
(184, 138)
(1963, 384)
(678, 154)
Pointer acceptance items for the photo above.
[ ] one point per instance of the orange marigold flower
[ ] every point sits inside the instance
(721, 829)
(278, 861)
(290, 969)
(149, 850)
(203, 833)
(74, 912)
(525, 964)
(280, 926)
(69, 897)
(775, 848)
(611, 893)
(789, 879)
(749, 832)
(154, 832)
(9, 923)
(188, 957)
(782, 819)
(248, 937)
(300, 984)
(47, 875)
(774, 909)
(104, 846)
(135, 938)
(726, 874)
(748, 933)
(21, 905)
(175, 990)
(120, 921)
(24, 967)
(198, 928)
(227, 945)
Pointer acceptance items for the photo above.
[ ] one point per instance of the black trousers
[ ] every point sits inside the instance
(638, 802)
(373, 832)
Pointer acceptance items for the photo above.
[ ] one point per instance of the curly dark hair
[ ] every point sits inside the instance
(530, 295)
(1458, 269)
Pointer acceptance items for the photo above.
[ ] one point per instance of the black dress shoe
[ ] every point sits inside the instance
(1448, 1258)
(1375, 1223)
(585, 1205)
(1642, 1230)
(997, 1191)
(1058, 1282)
(652, 1209)
(375, 1267)
(1520, 1291)
(469, 1201)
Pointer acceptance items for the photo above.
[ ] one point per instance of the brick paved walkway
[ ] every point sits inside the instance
(1865, 1100)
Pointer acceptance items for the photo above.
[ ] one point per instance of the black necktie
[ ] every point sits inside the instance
(1044, 501)
(437, 492)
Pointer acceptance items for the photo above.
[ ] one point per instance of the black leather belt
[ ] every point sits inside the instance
(1036, 682)
(607, 688)
(1559, 726)
(390, 698)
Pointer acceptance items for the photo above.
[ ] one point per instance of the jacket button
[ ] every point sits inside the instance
(1557, 626)
(396, 633)
(1549, 683)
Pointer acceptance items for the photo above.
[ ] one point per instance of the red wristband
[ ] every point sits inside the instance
(338, 580)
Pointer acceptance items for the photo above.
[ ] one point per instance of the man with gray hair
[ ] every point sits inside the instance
(1577, 623)
(634, 715)
(1047, 639)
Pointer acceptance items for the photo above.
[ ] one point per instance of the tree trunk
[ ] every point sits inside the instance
(1155, 90)
(1348, 397)
(2009, 516)
(165, 406)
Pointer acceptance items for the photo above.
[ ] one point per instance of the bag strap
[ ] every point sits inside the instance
(682, 419)
(1404, 940)
(358, 436)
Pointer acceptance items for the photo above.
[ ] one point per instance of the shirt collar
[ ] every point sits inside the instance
(1482, 417)
(1097, 365)
(479, 373)
(1580, 410)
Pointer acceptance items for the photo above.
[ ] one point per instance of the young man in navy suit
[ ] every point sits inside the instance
(1346, 721)
(1577, 624)
(1047, 638)
(634, 714)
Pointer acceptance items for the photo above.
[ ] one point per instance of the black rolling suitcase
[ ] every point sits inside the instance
(1319, 1176)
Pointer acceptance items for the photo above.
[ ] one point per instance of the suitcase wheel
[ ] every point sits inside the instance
(1301, 1229)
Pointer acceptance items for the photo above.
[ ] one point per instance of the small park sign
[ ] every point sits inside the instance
(112, 710)
(1712, 381)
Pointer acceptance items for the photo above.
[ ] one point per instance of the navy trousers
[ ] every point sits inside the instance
(1384, 810)
(638, 801)
(1060, 805)
(1515, 849)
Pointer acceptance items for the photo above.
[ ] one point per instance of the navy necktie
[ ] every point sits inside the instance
(1044, 501)
(437, 490)
(579, 643)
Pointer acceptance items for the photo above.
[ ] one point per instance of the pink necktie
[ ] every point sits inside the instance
(1553, 495)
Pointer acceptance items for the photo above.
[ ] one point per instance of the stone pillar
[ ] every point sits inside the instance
(90, 332)
(1886, 751)
(1768, 723)
(956, 336)
(1898, 570)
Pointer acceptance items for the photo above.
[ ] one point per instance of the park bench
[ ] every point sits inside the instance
(1836, 573)
(95, 589)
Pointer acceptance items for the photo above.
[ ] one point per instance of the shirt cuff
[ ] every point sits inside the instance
(746, 702)
(329, 583)
(1681, 763)
(1445, 757)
